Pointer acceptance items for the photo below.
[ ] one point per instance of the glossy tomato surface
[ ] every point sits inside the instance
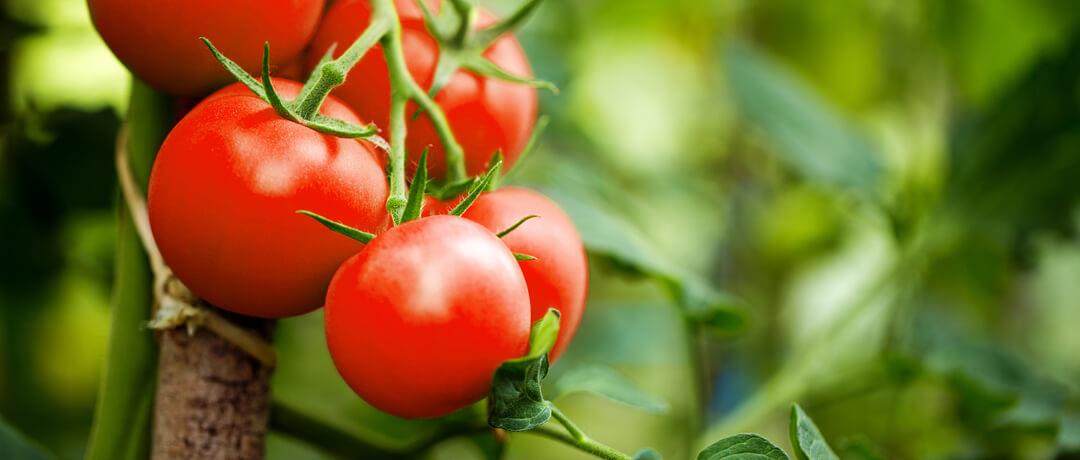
(158, 40)
(559, 276)
(486, 114)
(224, 192)
(419, 320)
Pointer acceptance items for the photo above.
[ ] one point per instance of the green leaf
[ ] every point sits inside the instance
(742, 447)
(517, 402)
(608, 383)
(520, 256)
(338, 227)
(801, 128)
(475, 190)
(516, 225)
(806, 439)
(15, 446)
(415, 204)
(647, 454)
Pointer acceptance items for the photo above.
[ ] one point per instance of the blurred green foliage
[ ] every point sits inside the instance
(888, 185)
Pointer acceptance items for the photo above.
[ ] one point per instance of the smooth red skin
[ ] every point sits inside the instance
(559, 278)
(158, 40)
(224, 192)
(418, 322)
(486, 114)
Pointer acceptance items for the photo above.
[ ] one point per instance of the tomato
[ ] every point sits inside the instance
(486, 114)
(418, 322)
(159, 40)
(223, 196)
(559, 277)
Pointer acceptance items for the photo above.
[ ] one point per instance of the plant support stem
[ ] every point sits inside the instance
(575, 437)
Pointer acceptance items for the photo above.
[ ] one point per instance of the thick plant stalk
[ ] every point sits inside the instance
(213, 399)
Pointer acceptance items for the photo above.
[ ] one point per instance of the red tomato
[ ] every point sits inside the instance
(559, 277)
(486, 114)
(420, 319)
(158, 40)
(224, 192)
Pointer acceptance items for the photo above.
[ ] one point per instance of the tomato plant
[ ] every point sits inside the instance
(420, 319)
(223, 194)
(488, 115)
(159, 40)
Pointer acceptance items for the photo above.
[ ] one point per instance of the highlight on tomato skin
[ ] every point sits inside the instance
(420, 319)
(223, 196)
(158, 40)
(485, 114)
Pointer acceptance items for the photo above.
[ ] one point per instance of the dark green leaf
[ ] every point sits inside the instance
(415, 205)
(806, 439)
(338, 227)
(743, 447)
(14, 446)
(517, 402)
(647, 454)
(804, 132)
(608, 383)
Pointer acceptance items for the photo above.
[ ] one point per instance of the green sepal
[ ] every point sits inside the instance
(447, 191)
(497, 158)
(235, 69)
(338, 227)
(806, 439)
(478, 64)
(265, 91)
(516, 402)
(415, 204)
(520, 256)
(534, 139)
(742, 446)
(516, 225)
(485, 37)
(475, 190)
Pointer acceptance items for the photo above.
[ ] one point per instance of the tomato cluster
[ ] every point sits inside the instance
(419, 317)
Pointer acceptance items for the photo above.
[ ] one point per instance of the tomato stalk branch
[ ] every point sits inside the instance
(577, 438)
(404, 88)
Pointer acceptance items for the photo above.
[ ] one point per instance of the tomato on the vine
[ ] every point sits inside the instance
(485, 113)
(159, 40)
(224, 192)
(418, 322)
(559, 276)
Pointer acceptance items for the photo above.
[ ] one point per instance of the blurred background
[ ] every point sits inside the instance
(889, 189)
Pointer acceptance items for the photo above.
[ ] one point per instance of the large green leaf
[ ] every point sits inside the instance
(517, 401)
(800, 127)
(742, 447)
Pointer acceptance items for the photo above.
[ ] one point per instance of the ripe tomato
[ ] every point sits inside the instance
(559, 277)
(420, 319)
(485, 113)
(224, 192)
(159, 40)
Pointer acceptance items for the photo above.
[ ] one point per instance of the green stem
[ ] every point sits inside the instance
(121, 427)
(575, 437)
(332, 74)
